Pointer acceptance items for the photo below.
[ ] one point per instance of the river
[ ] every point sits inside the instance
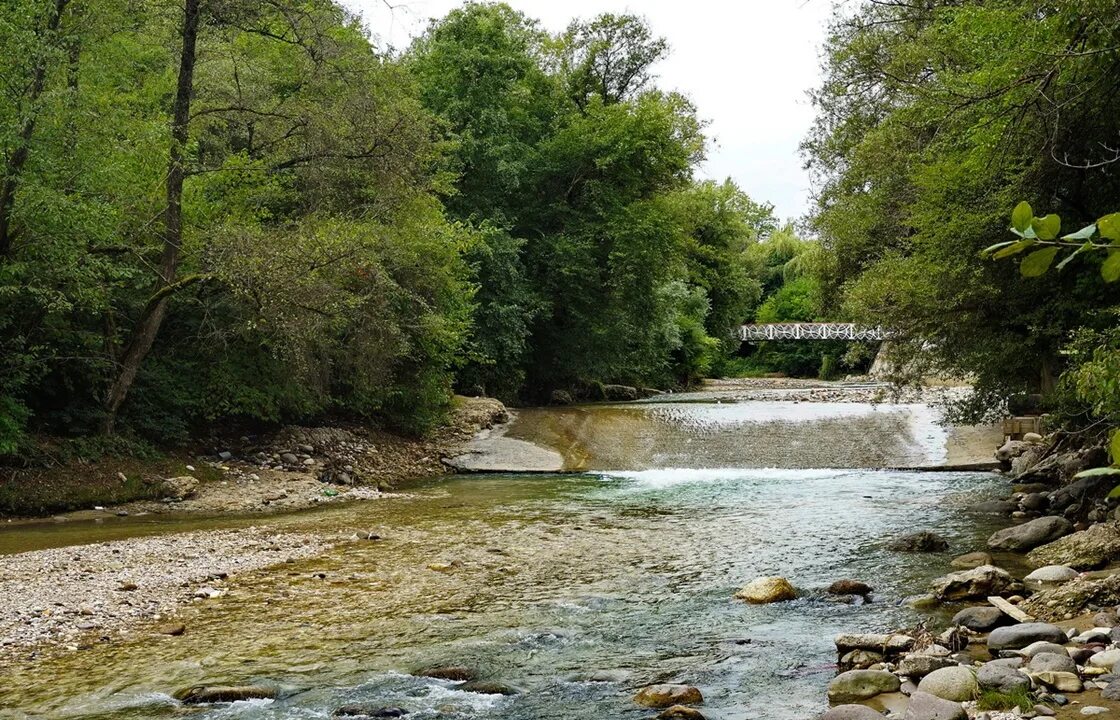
(576, 588)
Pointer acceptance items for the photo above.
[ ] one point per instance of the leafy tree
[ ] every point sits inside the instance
(930, 119)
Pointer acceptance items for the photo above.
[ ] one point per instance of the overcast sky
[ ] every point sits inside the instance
(746, 64)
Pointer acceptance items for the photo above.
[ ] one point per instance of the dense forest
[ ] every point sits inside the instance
(222, 211)
(934, 120)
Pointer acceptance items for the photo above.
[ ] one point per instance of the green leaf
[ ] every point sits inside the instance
(1097, 472)
(1083, 234)
(992, 248)
(1115, 493)
(1038, 262)
(1021, 216)
(1013, 249)
(1072, 255)
(1109, 225)
(1047, 228)
(1110, 269)
(1114, 448)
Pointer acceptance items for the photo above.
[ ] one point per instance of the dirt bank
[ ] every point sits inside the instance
(285, 471)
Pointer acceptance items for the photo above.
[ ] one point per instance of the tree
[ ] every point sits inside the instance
(930, 120)
(610, 58)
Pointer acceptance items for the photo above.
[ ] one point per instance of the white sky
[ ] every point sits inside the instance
(746, 64)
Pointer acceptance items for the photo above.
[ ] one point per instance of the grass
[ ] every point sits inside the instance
(994, 700)
(63, 475)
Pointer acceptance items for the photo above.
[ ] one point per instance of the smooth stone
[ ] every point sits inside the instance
(873, 641)
(1008, 662)
(457, 673)
(852, 712)
(1093, 710)
(1060, 681)
(923, 541)
(994, 507)
(1041, 647)
(1105, 659)
(680, 712)
(918, 665)
(1001, 678)
(764, 590)
(667, 695)
(849, 587)
(979, 582)
(981, 618)
(971, 560)
(855, 685)
(369, 711)
(1044, 710)
(924, 706)
(1055, 662)
(1031, 534)
(861, 659)
(204, 694)
(486, 687)
(1015, 637)
(1111, 691)
(1052, 574)
(950, 683)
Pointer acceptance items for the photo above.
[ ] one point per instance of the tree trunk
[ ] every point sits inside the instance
(18, 158)
(147, 327)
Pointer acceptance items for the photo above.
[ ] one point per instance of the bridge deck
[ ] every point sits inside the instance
(810, 331)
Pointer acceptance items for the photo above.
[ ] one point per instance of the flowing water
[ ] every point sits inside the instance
(576, 588)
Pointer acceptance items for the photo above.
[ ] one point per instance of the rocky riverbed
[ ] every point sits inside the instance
(1045, 644)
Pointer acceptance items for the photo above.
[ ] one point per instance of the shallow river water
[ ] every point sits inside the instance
(575, 588)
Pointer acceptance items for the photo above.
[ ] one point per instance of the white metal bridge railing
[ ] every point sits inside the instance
(810, 331)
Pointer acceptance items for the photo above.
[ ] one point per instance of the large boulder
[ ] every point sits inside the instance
(979, 582)
(1039, 647)
(924, 706)
(856, 685)
(1020, 538)
(994, 507)
(1074, 597)
(667, 695)
(1083, 550)
(1081, 490)
(957, 683)
(852, 712)
(1015, 637)
(923, 541)
(179, 488)
(981, 618)
(1000, 678)
(880, 643)
(621, 392)
(767, 590)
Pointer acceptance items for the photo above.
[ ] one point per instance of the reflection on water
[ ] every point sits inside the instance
(574, 588)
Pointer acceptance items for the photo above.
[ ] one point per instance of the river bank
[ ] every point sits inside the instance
(1054, 652)
(291, 469)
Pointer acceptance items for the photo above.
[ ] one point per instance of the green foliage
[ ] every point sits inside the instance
(994, 700)
(1044, 232)
(928, 129)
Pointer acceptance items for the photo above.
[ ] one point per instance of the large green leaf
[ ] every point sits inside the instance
(1021, 216)
(1013, 249)
(1047, 228)
(1083, 234)
(1115, 492)
(1109, 225)
(1097, 472)
(1110, 268)
(1073, 254)
(992, 248)
(1038, 262)
(1114, 449)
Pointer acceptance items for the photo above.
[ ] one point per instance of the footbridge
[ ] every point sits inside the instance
(811, 331)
